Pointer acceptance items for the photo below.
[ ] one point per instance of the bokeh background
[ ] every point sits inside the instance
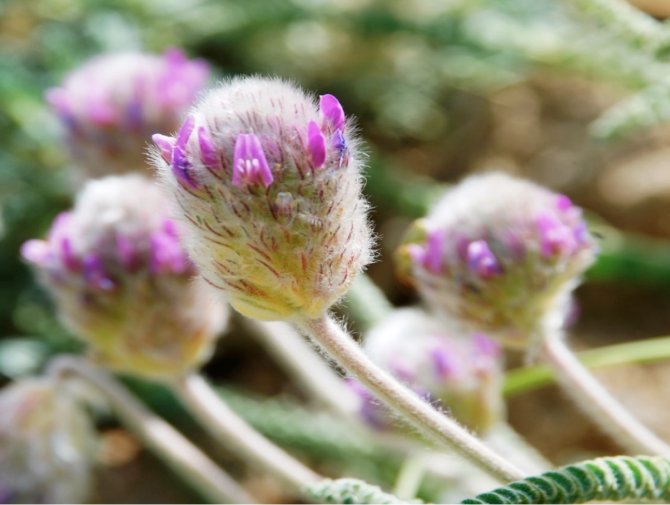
(440, 89)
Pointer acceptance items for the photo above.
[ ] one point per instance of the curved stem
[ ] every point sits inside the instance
(234, 433)
(161, 438)
(527, 378)
(422, 416)
(301, 361)
(597, 402)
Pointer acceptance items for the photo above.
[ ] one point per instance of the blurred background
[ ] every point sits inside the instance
(440, 89)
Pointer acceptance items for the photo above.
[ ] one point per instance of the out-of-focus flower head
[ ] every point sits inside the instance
(112, 105)
(500, 254)
(462, 373)
(123, 283)
(269, 184)
(47, 444)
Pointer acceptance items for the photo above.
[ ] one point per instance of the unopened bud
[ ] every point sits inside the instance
(112, 104)
(461, 373)
(47, 444)
(124, 284)
(499, 254)
(269, 185)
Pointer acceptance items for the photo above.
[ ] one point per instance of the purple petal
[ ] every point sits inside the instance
(434, 252)
(563, 203)
(481, 259)
(166, 254)
(165, 144)
(332, 111)
(443, 360)
(208, 153)
(316, 144)
(185, 132)
(94, 273)
(126, 252)
(485, 345)
(249, 163)
(181, 168)
(67, 256)
(555, 237)
(36, 252)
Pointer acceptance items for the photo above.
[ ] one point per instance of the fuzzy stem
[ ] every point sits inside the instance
(597, 402)
(234, 433)
(161, 438)
(302, 362)
(339, 345)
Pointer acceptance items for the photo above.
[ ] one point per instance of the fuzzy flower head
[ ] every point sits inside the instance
(462, 373)
(122, 281)
(112, 105)
(500, 254)
(47, 444)
(268, 182)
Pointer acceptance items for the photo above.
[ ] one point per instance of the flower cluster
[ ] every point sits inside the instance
(112, 105)
(499, 253)
(122, 281)
(47, 444)
(269, 185)
(460, 373)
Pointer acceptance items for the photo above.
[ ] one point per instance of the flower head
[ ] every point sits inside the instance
(500, 254)
(112, 104)
(47, 444)
(269, 185)
(462, 373)
(122, 281)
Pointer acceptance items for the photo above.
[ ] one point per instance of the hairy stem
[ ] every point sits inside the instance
(422, 416)
(597, 402)
(527, 378)
(302, 362)
(235, 434)
(161, 438)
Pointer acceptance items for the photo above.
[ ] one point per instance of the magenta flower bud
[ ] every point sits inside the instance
(48, 444)
(510, 253)
(124, 284)
(249, 163)
(208, 153)
(332, 112)
(462, 372)
(316, 143)
(112, 104)
(274, 217)
(481, 260)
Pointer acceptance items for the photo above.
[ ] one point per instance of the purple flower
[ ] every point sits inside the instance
(316, 144)
(208, 153)
(430, 255)
(555, 236)
(332, 111)
(249, 163)
(481, 259)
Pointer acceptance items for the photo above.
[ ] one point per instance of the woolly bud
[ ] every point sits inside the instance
(112, 104)
(499, 253)
(269, 186)
(47, 444)
(123, 282)
(462, 373)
